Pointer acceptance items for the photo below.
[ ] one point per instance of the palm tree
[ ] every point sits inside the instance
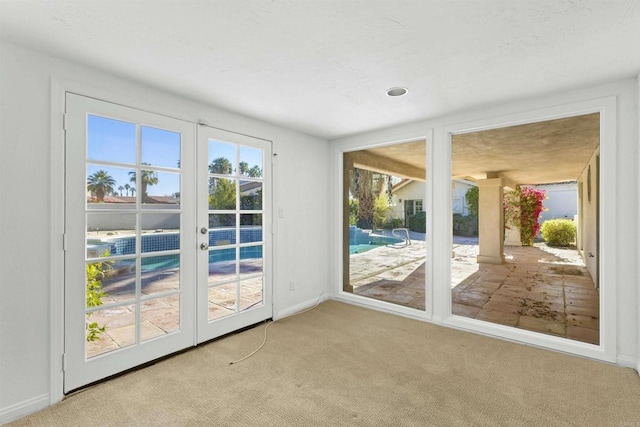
(101, 183)
(221, 165)
(148, 178)
(244, 168)
(127, 187)
(133, 191)
(255, 172)
(122, 188)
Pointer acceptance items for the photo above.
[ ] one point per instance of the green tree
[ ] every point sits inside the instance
(222, 194)
(122, 188)
(221, 165)
(101, 183)
(380, 210)
(127, 187)
(147, 179)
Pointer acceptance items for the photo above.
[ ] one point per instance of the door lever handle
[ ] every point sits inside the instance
(204, 246)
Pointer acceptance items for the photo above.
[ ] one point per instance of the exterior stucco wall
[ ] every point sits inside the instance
(589, 226)
(561, 202)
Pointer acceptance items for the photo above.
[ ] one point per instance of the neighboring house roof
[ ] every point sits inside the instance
(407, 181)
(401, 184)
(167, 200)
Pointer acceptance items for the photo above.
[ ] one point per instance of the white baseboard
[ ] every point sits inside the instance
(628, 362)
(19, 410)
(290, 311)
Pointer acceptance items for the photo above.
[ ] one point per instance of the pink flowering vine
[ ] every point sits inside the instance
(522, 209)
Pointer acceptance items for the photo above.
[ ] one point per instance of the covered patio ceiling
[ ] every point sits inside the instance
(534, 153)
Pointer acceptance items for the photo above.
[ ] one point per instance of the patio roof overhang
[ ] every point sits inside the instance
(535, 153)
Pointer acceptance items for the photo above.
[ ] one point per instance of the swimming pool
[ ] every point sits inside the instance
(362, 241)
(126, 245)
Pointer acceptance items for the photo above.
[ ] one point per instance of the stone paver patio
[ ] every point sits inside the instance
(539, 288)
(160, 315)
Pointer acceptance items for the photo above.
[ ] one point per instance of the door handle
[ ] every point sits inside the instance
(204, 246)
(203, 230)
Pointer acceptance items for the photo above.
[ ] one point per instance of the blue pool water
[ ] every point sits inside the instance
(171, 241)
(361, 248)
(362, 241)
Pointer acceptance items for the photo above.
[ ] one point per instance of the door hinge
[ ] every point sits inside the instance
(64, 242)
(65, 118)
(64, 362)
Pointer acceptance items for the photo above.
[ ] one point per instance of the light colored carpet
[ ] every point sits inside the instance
(344, 365)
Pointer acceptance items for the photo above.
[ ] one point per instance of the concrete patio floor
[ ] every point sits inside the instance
(539, 288)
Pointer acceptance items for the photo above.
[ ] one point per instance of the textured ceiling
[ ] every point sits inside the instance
(322, 67)
(535, 153)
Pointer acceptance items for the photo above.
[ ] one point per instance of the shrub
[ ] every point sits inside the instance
(418, 222)
(559, 232)
(393, 223)
(472, 197)
(380, 210)
(466, 226)
(353, 211)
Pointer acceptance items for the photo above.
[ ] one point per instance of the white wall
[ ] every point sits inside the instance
(589, 241)
(624, 211)
(300, 187)
(561, 202)
(460, 189)
(414, 190)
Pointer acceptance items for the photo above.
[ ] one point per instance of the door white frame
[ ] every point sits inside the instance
(207, 330)
(59, 87)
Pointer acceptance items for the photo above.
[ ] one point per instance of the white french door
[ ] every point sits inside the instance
(234, 219)
(165, 243)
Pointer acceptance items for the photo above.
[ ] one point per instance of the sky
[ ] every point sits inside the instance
(114, 141)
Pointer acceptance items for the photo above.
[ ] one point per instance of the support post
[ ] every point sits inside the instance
(490, 221)
(347, 169)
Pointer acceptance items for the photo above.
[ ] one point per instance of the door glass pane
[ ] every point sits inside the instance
(110, 329)
(222, 158)
(250, 228)
(222, 229)
(159, 316)
(111, 140)
(250, 162)
(251, 293)
(160, 274)
(160, 147)
(110, 235)
(160, 232)
(222, 265)
(222, 300)
(110, 281)
(250, 195)
(160, 188)
(251, 262)
(222, 194)
(109, 187)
